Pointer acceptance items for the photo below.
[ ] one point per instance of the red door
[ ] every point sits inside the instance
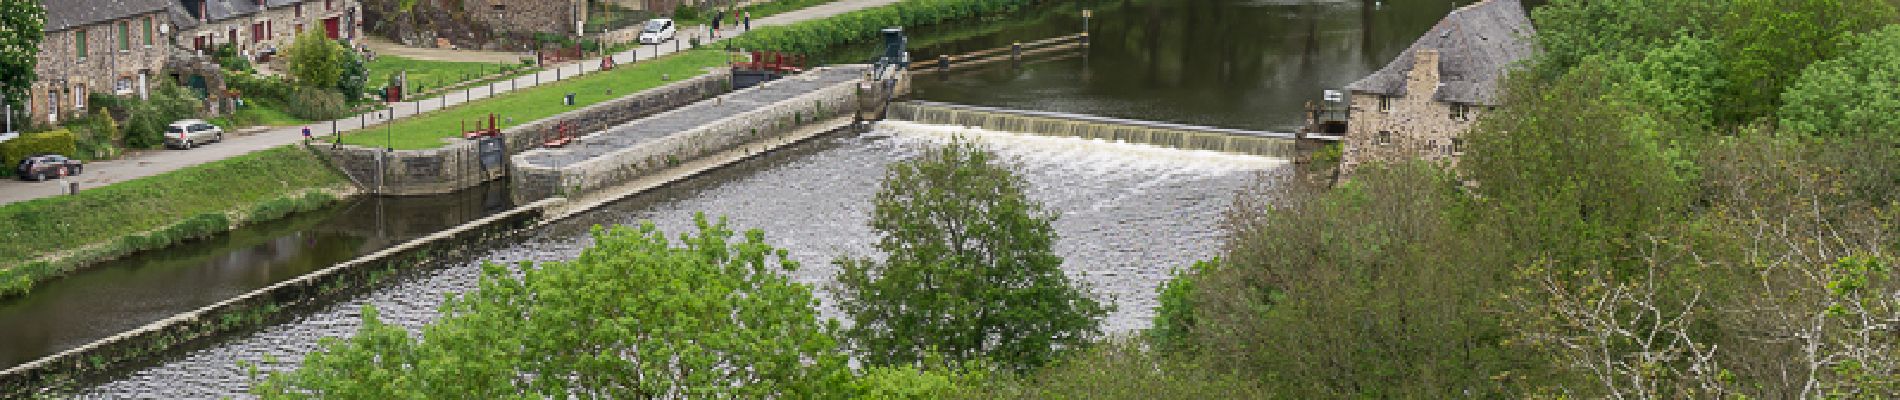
(330, 27)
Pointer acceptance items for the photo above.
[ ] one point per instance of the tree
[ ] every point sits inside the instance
(969, 271)
(1850, 96)
(315, 60)
(354, 76)
(632, 317)
(22, 26)
(1767, 43)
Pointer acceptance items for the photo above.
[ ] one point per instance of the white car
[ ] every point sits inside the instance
(191, 133)
(658, 30)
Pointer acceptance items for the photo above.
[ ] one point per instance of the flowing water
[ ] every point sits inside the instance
(1129, 214)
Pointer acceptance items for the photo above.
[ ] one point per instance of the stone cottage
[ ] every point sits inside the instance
(1420, 104)
(475, 24)
(259, 26)
(103, 46)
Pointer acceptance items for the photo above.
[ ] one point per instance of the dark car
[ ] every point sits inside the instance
(45, 166)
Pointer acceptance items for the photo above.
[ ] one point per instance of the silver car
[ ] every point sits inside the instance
(191, 133)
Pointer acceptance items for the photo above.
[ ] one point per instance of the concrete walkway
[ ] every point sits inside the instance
(149, 163)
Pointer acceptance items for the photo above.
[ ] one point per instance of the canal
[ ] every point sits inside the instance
(1129, 214)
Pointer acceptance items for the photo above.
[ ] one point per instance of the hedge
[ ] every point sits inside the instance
(56, 141)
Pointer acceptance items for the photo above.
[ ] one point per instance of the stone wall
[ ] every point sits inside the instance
(1409, 126)
(535, 182)
(603, 115)
(538, 16)
(64, 78)
(457, 165)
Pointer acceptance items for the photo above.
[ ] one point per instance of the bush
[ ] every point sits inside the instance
(58, 141)
(228, 58)
(146, 126)
(96, 135)
(316, 104)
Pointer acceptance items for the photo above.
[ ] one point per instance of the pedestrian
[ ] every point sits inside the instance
(306, 134)
(748, 21)
(715, 23)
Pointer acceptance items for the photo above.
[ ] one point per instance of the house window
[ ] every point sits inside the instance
(329, 5)
(79, 38)
(299, 29)
(1385, 138)
(125, 35)
(148, 31)
(1385, 103)
(1460, 112)
(257, 32)
(299, 10)
(123, 86)
(79, 96)
(1457, 146)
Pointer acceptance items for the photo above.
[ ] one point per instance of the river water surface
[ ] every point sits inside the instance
(1128, 214)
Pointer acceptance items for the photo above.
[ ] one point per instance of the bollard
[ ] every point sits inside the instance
(74, 188)
(943, 62)
(1016, 51)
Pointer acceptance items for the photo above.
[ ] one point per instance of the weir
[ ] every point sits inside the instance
(1179, 136)
(755, 119)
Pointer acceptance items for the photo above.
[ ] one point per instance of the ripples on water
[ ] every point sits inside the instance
(1129, 214)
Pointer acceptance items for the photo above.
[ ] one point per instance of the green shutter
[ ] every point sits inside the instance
(148, 31)
(80, 38)
(125, 35)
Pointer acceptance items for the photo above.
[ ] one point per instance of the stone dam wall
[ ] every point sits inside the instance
(1188, 137)
(458, 164)
(752, 117)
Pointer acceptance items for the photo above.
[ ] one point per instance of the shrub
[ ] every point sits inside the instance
(96, 135)
(315, 60)
(58, 141)
(315, 104)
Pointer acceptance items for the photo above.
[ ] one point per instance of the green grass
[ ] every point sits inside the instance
(427, 131)
(758, 11)
(172, 206)
(429, 74)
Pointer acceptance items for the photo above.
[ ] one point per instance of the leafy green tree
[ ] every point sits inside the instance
(1377, 288)
(1121, 370)
(969, 271)
(632, 317)
(1851, 96)
(1767, 43)
(354, 77)
(1568, 31)
(315, 60)
(1575, 169)
(22, 25)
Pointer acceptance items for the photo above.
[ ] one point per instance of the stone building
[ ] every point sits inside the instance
(96, 46)
(473, 24)
(259, 26)
(528, 16)
(1420, 104)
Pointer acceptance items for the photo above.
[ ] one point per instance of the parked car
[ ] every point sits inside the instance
(191, 133)
(47, 166)
(658, 30)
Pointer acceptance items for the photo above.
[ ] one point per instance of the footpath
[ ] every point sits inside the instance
(150, 163)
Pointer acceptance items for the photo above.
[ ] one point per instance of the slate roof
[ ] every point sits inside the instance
(67, 14)
(184, 12)
(1477, 44)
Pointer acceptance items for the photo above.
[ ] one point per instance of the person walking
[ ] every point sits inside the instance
(715, 23)
(748, 21)
(306, 134)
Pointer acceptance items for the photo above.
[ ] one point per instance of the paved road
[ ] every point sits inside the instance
(149, 163)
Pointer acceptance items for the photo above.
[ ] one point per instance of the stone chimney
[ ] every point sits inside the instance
(1425, 66)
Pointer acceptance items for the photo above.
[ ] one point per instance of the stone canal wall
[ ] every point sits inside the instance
(759, 116)
(458, 165)
(1188, 137)
(60, 372)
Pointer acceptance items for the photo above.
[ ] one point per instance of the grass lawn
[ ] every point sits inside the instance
(258, 112)
(427, 130)
(428, 74)
(38, 227)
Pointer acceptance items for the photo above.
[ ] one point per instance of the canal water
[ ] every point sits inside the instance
(1129, 214)
(123, 294)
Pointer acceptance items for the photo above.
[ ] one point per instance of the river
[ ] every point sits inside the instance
(1129, 214)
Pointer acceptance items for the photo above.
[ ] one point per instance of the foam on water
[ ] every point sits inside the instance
(1128, 215)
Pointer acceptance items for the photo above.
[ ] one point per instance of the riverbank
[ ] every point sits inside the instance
(53, 236)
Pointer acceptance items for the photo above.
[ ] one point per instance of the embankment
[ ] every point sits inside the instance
(49, 237)
(815, 36)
